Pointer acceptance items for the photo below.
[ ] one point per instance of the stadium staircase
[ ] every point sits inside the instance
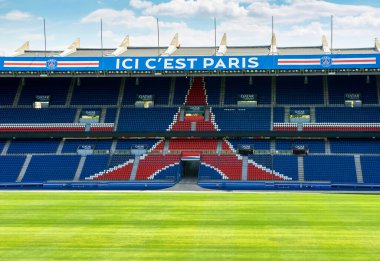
(156, 164)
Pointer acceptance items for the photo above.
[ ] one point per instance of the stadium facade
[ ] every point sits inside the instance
(226, 117)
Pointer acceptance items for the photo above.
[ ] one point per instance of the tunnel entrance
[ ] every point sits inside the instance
(190, 169)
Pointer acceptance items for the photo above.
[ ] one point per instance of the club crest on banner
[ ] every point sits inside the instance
(51, 64)
(326, 61)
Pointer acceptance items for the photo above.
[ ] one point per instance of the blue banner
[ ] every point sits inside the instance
(190, 63)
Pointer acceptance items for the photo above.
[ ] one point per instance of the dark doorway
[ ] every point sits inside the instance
(190, 169)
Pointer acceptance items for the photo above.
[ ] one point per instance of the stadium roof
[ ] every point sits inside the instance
(174, 49)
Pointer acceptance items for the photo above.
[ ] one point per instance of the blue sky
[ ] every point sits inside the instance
(246, 22)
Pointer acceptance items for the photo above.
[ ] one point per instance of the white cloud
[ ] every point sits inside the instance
(194, 8)
(139, 4)
(246, 22)
(17, 15)
(123, 17)
(127, 19)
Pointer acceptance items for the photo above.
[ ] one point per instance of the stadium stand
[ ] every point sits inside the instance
(261, 86)
(110, 115)
(51, 168)
(96, 91)
(94, 164)
(2, 144)
(314, 146)
(22, 146)
(10, 167)
(151, 165)
(332, 168)
(358, 146)
(189, 144)
(371, 169)
(268, 167)
(57, 88)
(242, 119)
(207, 172)
(228, 166)
(213, 90)
(152, 119)
(347, 115)
(218, 157)
(279, 114)
(8, 88)
(26, 115)
(257, 144)
(362, 84)
(296, 90)
(127, 144)
(71, 145)
(121, 171)
(182, 85)
(159, 87)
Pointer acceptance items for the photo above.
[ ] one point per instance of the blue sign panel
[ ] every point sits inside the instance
(190, 63)
(300, 111)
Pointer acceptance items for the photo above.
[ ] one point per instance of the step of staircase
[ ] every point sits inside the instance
(135, 167)
(358, 169)
(244, 174)
(301, 171)
(80, 168)
(24, 168)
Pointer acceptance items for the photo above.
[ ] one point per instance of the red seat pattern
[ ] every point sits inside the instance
(159, 146)
(121, 172)
(256, 172)
(229, 165)
(197, 93)
(193, 144)
(194, 118)
(226, 147)
(152, 163)
(285, 126)
(182, 126)
(205, 126)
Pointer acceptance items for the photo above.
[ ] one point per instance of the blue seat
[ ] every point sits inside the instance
(337, 169)
(159, 87)
(10, 167)
(8, 89)
(33, 146)
(27, 115)
(256, 143)
(70, 146)
(94, 164)
(57, 88)
(359, 146)
(315, 146)
(168, 173)
(152, 119)
(370, 168)
(261, 86)
(294, 90)
(51, 168)
(242, 119)
(182, 85)
(96, 91)
(340, 85)
(348, 115)
(128, 144)
(206, 172)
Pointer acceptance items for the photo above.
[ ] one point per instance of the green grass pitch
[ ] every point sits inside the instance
(188, 226)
